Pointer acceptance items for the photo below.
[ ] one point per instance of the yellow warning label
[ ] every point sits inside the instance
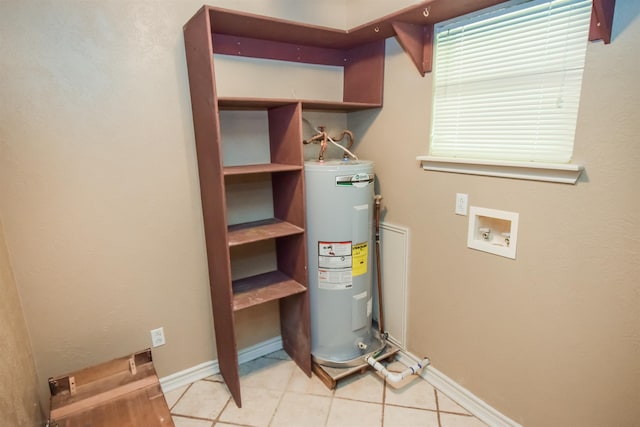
(360, 256)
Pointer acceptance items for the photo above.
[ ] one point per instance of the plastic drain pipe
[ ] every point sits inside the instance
(394, 377)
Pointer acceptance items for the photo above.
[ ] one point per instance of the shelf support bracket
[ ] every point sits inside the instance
(417, 41)
(602, 20)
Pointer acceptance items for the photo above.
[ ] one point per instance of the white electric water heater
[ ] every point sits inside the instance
(340, 197)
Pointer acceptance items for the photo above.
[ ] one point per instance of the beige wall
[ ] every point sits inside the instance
(98, 181)
(360, 12)
(19, 403)
(553, 337)
(100, 202)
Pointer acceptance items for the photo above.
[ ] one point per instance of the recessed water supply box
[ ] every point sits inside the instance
(493, 231)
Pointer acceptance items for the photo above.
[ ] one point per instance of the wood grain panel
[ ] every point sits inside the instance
(199, 52)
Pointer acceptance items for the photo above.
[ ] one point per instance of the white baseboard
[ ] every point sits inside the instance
(211, 367)
(189, 375)
(258, 350)
(472, 403)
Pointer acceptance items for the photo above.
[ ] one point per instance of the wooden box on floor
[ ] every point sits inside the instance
(122, 392)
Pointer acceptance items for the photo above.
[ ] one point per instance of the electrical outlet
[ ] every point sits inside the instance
(461, 203)
(157, 337)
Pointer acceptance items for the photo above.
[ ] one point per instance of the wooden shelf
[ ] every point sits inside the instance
(241, 24)
(230, 103)
(262, 288)
(245, 34)
(256, 231)
(259, 168)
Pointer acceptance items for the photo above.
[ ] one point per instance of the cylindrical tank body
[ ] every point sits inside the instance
(340, 247)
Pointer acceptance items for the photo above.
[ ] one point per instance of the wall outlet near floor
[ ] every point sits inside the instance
(157, 337)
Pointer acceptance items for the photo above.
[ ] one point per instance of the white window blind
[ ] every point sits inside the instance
(507, 82)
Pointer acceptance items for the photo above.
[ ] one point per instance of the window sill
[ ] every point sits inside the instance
(549, 172)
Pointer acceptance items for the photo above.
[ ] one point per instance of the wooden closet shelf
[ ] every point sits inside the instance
(262, 288)
(233, 103)
(256, 231)
(260, 168)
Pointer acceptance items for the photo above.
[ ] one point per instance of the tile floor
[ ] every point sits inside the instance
(275, 393)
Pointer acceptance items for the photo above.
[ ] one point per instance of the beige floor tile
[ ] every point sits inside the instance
(395, 416)
(172, 396)
(350, 413)
(416, 394)
(452, 420)
(367, 387)
(448, 405)
(302, 409)
(301, 383)
(276, 393)
(190, 422)
(258, 406)
(204, 399)
(268, 373)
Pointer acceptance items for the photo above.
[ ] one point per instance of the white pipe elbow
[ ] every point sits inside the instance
(395, 377)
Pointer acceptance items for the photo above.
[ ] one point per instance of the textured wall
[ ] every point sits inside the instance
(19, 405)
(98, 181)
(553, 337)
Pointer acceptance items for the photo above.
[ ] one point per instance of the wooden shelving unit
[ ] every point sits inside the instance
(360, 53)
(220, 31)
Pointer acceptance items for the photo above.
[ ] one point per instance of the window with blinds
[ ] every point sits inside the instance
(507, 82)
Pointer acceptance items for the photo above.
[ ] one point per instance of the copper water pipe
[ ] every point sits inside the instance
(377, 198)
(322, 137)
(350, 135)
